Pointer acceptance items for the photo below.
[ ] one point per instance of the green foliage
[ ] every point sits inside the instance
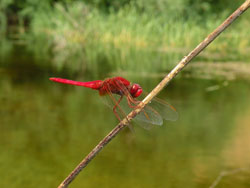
(215, 6)
(4, 4)
(3, 10)
(81, 37)
(126, 34)
(107, 5)
(155, 7)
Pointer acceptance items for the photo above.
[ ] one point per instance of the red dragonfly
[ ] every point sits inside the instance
(153, 113)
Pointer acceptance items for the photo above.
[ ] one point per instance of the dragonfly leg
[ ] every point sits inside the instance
(114, 108)
(132, 103)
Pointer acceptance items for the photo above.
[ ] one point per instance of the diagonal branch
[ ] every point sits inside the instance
(155, 91)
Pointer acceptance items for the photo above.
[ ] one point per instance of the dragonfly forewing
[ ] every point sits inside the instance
(166, 111)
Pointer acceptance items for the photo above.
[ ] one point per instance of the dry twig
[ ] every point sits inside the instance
(227, 173)
(154, 92)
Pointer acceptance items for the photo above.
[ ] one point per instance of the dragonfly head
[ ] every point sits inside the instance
(135, 90)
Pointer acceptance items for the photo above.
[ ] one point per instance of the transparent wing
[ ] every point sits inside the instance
(149, 115)
(166, 111)
(152, 114)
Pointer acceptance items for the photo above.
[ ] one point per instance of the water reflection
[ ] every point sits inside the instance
(47, 128)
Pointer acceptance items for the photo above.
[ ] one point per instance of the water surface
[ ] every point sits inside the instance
(47, 129)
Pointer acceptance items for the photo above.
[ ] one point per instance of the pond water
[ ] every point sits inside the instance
(48, 128)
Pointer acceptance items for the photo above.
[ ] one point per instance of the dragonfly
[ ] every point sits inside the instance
(118, 88)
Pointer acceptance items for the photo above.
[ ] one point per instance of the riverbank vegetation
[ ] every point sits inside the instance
(126, 35)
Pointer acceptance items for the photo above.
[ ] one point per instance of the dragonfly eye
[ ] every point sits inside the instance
(135, 90)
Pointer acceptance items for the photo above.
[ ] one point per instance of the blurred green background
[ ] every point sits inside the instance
(47, 128)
